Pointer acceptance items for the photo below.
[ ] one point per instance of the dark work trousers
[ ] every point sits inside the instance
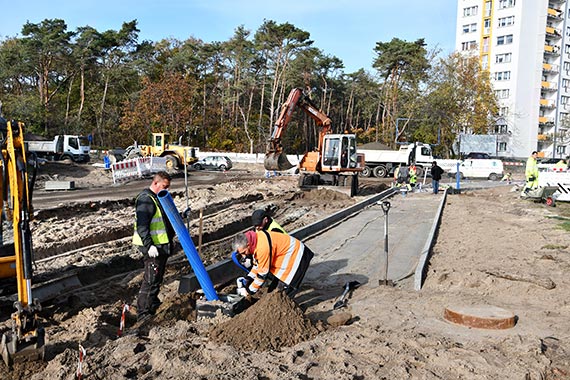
(154, 268)
(295, 284)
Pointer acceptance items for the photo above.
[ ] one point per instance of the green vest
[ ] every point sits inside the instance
(274, 226)
(157, 228)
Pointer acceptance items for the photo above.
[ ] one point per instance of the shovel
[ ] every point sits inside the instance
(351, 285)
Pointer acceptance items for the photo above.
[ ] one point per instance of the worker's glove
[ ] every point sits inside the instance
(241, 282)
(531, 178)
(185, 214)
(153, 251)
(242, 292)
(246, 262)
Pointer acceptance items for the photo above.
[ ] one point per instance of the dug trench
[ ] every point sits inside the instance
(92, 240)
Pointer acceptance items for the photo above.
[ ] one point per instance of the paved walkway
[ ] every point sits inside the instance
(355, 249)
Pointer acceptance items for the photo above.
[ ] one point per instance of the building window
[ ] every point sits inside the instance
(566, 66)
(469, 28)
(506, 21)
(501, 129)
(503, 111)
(564, 100)
(488, 5)
(502, 147)
(469, 45)
(503, 58)
(505, 40)
(506, 4)
(565, 83)
(485, 62)
(502, 94)
(561, 150)
(487, 26)
(470, 11)
(502, 75)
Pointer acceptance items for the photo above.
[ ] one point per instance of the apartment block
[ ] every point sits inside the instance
(525, 46)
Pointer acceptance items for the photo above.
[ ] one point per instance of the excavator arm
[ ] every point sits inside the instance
(275, 158)
(26, 339)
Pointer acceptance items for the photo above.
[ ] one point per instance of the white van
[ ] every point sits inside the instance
(475, 168)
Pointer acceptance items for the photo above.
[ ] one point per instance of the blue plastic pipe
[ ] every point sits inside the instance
(237, 262)
(188, 245)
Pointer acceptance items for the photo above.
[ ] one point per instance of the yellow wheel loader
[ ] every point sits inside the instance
(26, 340)
(175, 154)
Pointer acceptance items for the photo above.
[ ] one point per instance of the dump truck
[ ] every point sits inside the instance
(176, 154)
(381, 163)
(61, 147)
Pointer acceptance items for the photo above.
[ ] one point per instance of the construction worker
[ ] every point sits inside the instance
(413, 175)
(274, 253)
(531, 172)
(153, 237)
(261, 220)
(436, 172)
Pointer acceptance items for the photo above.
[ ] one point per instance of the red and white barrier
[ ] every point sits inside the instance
(137, 168)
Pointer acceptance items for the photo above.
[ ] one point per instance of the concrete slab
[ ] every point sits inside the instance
(354, 250)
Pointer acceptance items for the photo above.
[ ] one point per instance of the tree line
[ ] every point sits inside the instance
(226, 95)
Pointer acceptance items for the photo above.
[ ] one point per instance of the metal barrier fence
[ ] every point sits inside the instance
(137, 168)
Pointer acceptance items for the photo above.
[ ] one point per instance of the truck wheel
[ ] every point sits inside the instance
(493, 177)
(380, 171)
(171, 162)
(366, 172)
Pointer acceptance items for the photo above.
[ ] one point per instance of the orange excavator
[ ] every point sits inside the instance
(333, 162)
(26, 340)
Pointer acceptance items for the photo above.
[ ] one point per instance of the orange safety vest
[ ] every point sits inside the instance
(285, 256)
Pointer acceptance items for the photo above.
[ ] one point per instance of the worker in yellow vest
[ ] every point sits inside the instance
(531, 172)
(153, 236)
(413, 175)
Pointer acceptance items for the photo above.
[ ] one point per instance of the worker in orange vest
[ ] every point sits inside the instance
(283, 256)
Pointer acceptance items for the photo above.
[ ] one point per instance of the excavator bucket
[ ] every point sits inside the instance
(13, 351)
(277, 161)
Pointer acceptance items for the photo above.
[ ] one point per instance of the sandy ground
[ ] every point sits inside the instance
(492, 249)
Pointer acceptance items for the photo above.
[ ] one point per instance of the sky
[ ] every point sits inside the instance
(346, 29)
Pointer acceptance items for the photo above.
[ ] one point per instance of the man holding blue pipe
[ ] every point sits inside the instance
(153, 237)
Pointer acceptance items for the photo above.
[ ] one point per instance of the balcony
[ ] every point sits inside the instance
(543, 120)
(554, 14)
(546, 103)
(551, 50)
(544, 137)
(549, 86)
(553, 32)
(550, 68)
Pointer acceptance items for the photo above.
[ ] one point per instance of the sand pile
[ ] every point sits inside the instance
(273, 322)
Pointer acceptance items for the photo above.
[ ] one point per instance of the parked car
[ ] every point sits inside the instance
(547, 164)
(477, 168)
(478, 156)
(213, 163)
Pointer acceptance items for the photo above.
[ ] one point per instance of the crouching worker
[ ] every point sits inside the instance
(273, 253)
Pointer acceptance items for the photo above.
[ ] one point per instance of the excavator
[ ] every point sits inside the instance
(26, 340)
(335, 160)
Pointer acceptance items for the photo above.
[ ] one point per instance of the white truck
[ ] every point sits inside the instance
(380, 163)
(62, 147)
